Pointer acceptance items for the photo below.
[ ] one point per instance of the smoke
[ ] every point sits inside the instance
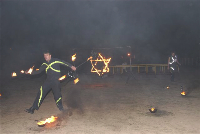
(153, 29)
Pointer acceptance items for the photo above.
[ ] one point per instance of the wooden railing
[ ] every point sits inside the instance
(162, 67)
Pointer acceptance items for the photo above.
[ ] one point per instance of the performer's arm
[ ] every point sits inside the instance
(42, 68)
(68, 65)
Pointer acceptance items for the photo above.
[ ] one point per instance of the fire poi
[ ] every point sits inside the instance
(105, 68)
(14, 74)
(74, 57)
(22, 71)
(76, 80)
(48, 120)
(30, 70)
(153, 110)
(62, 78)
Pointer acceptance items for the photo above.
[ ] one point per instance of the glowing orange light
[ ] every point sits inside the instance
(100, 59)
(89, 58)
(48, 120)
(152, 109)
(62, 78)
(168, 87)
(0, 94)
(22, 71)
(129, 54)
(183, 93)
(76, 80)
(14, 74)
(37, 69)
(74, 57)
(30, 70)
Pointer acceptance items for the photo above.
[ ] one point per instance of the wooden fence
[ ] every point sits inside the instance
(154, 67)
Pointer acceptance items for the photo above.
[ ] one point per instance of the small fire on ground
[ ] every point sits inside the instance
(47, 121)
(183, 93)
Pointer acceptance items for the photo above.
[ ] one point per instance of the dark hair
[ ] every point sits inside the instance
(47, 52)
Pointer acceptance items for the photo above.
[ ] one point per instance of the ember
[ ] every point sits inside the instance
(37, 69)
(100, 59)
(62, 78)
(183, 93)
(14, 74)
(167, 87)
(76, 80)
(153, 110)
(0, 95)
(48, 120)
(74, 57)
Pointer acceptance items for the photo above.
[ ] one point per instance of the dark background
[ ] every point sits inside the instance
(150, 30)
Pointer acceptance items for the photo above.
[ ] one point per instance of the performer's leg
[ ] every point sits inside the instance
(56, 88)
(40, 96)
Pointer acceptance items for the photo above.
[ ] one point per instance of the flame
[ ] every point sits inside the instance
(62, 78)
(37, 69)
(76, 80)
(152, 109)
(183, 93)
(22, 71)
(14, 74)
(100, 59)
(74, 57)
(89, 58)
(30, 70)
(129, 54)
(48, 120)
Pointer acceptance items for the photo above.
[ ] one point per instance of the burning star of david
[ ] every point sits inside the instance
(105, 65)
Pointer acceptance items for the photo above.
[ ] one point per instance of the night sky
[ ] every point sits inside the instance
(151, 28)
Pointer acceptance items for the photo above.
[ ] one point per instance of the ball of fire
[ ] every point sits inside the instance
(153, 110)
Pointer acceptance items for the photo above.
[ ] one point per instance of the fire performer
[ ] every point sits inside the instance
(172, 62)
(52, 68)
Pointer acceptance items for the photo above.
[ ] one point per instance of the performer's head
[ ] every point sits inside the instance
(173, 53)
(47, 56)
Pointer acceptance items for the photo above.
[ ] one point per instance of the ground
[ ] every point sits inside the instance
(107, 105)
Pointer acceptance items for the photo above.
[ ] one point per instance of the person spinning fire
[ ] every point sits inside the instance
(172, 62)
(52, 68)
